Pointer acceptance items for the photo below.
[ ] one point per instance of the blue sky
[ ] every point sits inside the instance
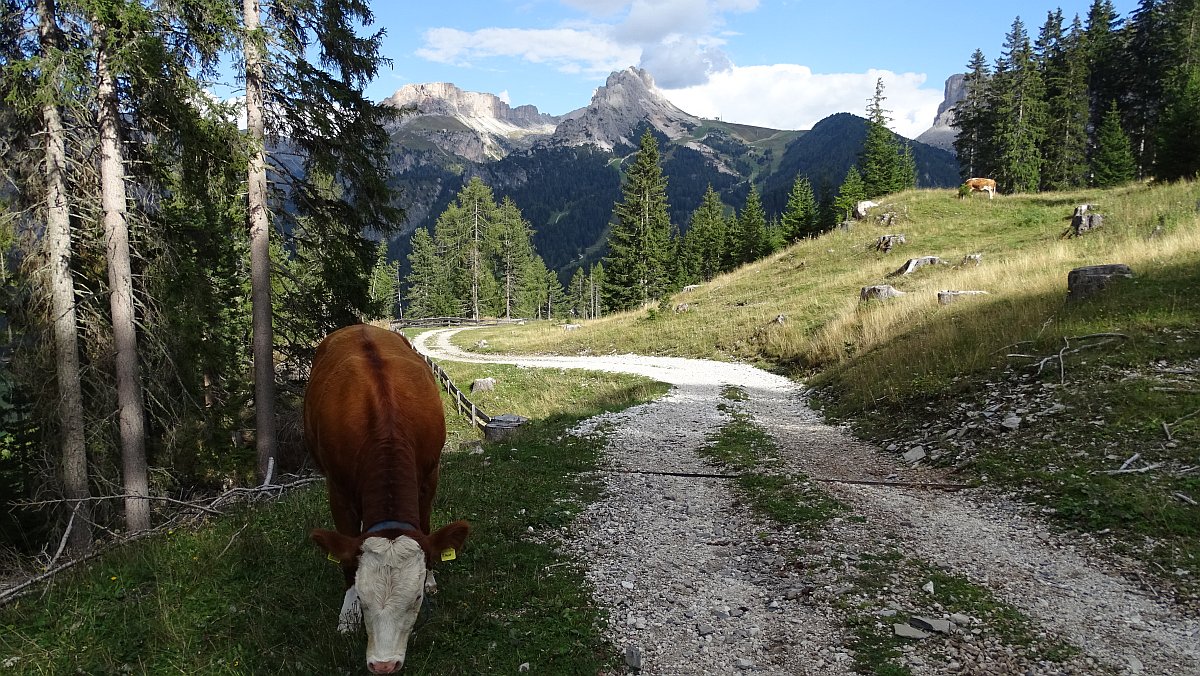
(777, 63)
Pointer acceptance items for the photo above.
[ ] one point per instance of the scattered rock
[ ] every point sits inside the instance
(914, 263)
(887, 242)
(915, 453)
(879, 292)
(681, 308)
(931, 624)
(972, 259)
(704, 629)
(928, 587)
(633, 657)
(1090, 280)
(1012, 422)
(523, 668)
(861, 209)
(483, 385)
(960, 619)
(906, 631)
(571, 327)
(948, 297)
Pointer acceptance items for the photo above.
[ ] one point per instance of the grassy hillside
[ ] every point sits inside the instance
(248, 593)
(903, 369)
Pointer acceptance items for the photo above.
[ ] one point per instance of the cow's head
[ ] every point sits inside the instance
(390, 582)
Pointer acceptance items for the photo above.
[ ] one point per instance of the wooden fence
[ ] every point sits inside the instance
(461, 402)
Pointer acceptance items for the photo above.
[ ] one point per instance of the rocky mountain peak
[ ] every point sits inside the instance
(627, 98)
(942, 133)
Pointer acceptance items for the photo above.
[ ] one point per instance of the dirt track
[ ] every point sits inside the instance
(698, 585)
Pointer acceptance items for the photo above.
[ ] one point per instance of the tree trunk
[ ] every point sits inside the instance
(131, 414)
(260, 247)
(62, 300)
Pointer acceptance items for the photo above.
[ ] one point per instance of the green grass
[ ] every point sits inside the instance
(743, 446)
(248, 593)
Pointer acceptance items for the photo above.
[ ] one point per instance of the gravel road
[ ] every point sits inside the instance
(695, 584)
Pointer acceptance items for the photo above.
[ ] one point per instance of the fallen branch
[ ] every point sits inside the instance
(13, 593)
(1167, 430)
(98, 498)
(62, 544)
(1139, 470)
(1174, 390)
(1185, 498)
(1190, 415)
(1100, 335)
(1129, 462)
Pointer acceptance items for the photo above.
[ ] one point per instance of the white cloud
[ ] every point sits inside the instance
(789, 96)
(683, 62)
(503, 96)
(569, 49)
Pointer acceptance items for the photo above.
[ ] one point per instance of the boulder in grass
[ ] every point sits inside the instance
(1090, 280)
(947, 297)
(915, 263)
(483, 385)
(879, 292)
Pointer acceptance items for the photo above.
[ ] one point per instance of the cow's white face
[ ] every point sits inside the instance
(390, 583)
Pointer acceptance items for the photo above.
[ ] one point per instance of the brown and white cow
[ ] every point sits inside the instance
(374, 425)
(987, 185)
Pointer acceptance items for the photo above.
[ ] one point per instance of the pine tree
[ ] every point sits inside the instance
(636, 266)
(1179, 144)
(578, 293)
(1020, 114)
(800, 215)
(973, 119)
(428, 280)
(752, 230)
(1144, 76)
(1064, 70)
(595, 289)
(881, 158)
(514, 248)
(851, 192)
(385, 280)
(1102, 49)
(1113, 162)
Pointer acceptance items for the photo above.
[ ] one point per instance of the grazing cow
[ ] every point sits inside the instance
(374, 426)
(987, 185)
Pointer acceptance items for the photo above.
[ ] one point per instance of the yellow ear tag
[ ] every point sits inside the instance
(448, 554)
(331, 558)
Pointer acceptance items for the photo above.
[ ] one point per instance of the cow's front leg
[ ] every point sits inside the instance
(351, 616)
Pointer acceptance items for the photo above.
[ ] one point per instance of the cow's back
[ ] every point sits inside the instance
(368, 385)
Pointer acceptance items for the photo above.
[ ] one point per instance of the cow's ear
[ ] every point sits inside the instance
(341, 547)
(449, 538)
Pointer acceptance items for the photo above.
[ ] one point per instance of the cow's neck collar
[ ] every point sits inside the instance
(385, 525)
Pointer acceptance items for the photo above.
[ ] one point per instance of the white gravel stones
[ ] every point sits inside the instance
(690, 551)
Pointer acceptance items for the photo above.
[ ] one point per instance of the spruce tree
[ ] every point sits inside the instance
(467, 230)
(1179, 143)
(1113, 162)
(881, 159)
(973, 120)
(851, 192)
(636, 267)
(513, 250)
(1064, 70)
(1146, 49)
(1102, 49)
(596, 289)
(705, 239)
(752, 241)
(1020, 115)
(428, 280)
(800, 215)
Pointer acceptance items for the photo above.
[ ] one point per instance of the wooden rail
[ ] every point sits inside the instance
(494, 428)
(461, 402)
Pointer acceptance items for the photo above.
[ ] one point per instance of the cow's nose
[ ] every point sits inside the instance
(383, 667)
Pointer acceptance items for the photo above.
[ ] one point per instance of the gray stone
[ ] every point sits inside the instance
(947, 297)
(915, 453)
(705, 629)
(931, 624)
(960, 619)
(633, 657)
(913, 264)
(1012, 422)
(905, 631)
(743, 663)
(879, 292)
(483, 385)
(1090, 280)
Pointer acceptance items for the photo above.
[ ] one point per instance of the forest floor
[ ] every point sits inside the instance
(704, 565)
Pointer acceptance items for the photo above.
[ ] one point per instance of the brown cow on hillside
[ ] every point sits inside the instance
(987, 185)
(374, 425)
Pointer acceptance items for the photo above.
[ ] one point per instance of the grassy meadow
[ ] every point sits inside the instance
(893, 368)
(248, 593)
